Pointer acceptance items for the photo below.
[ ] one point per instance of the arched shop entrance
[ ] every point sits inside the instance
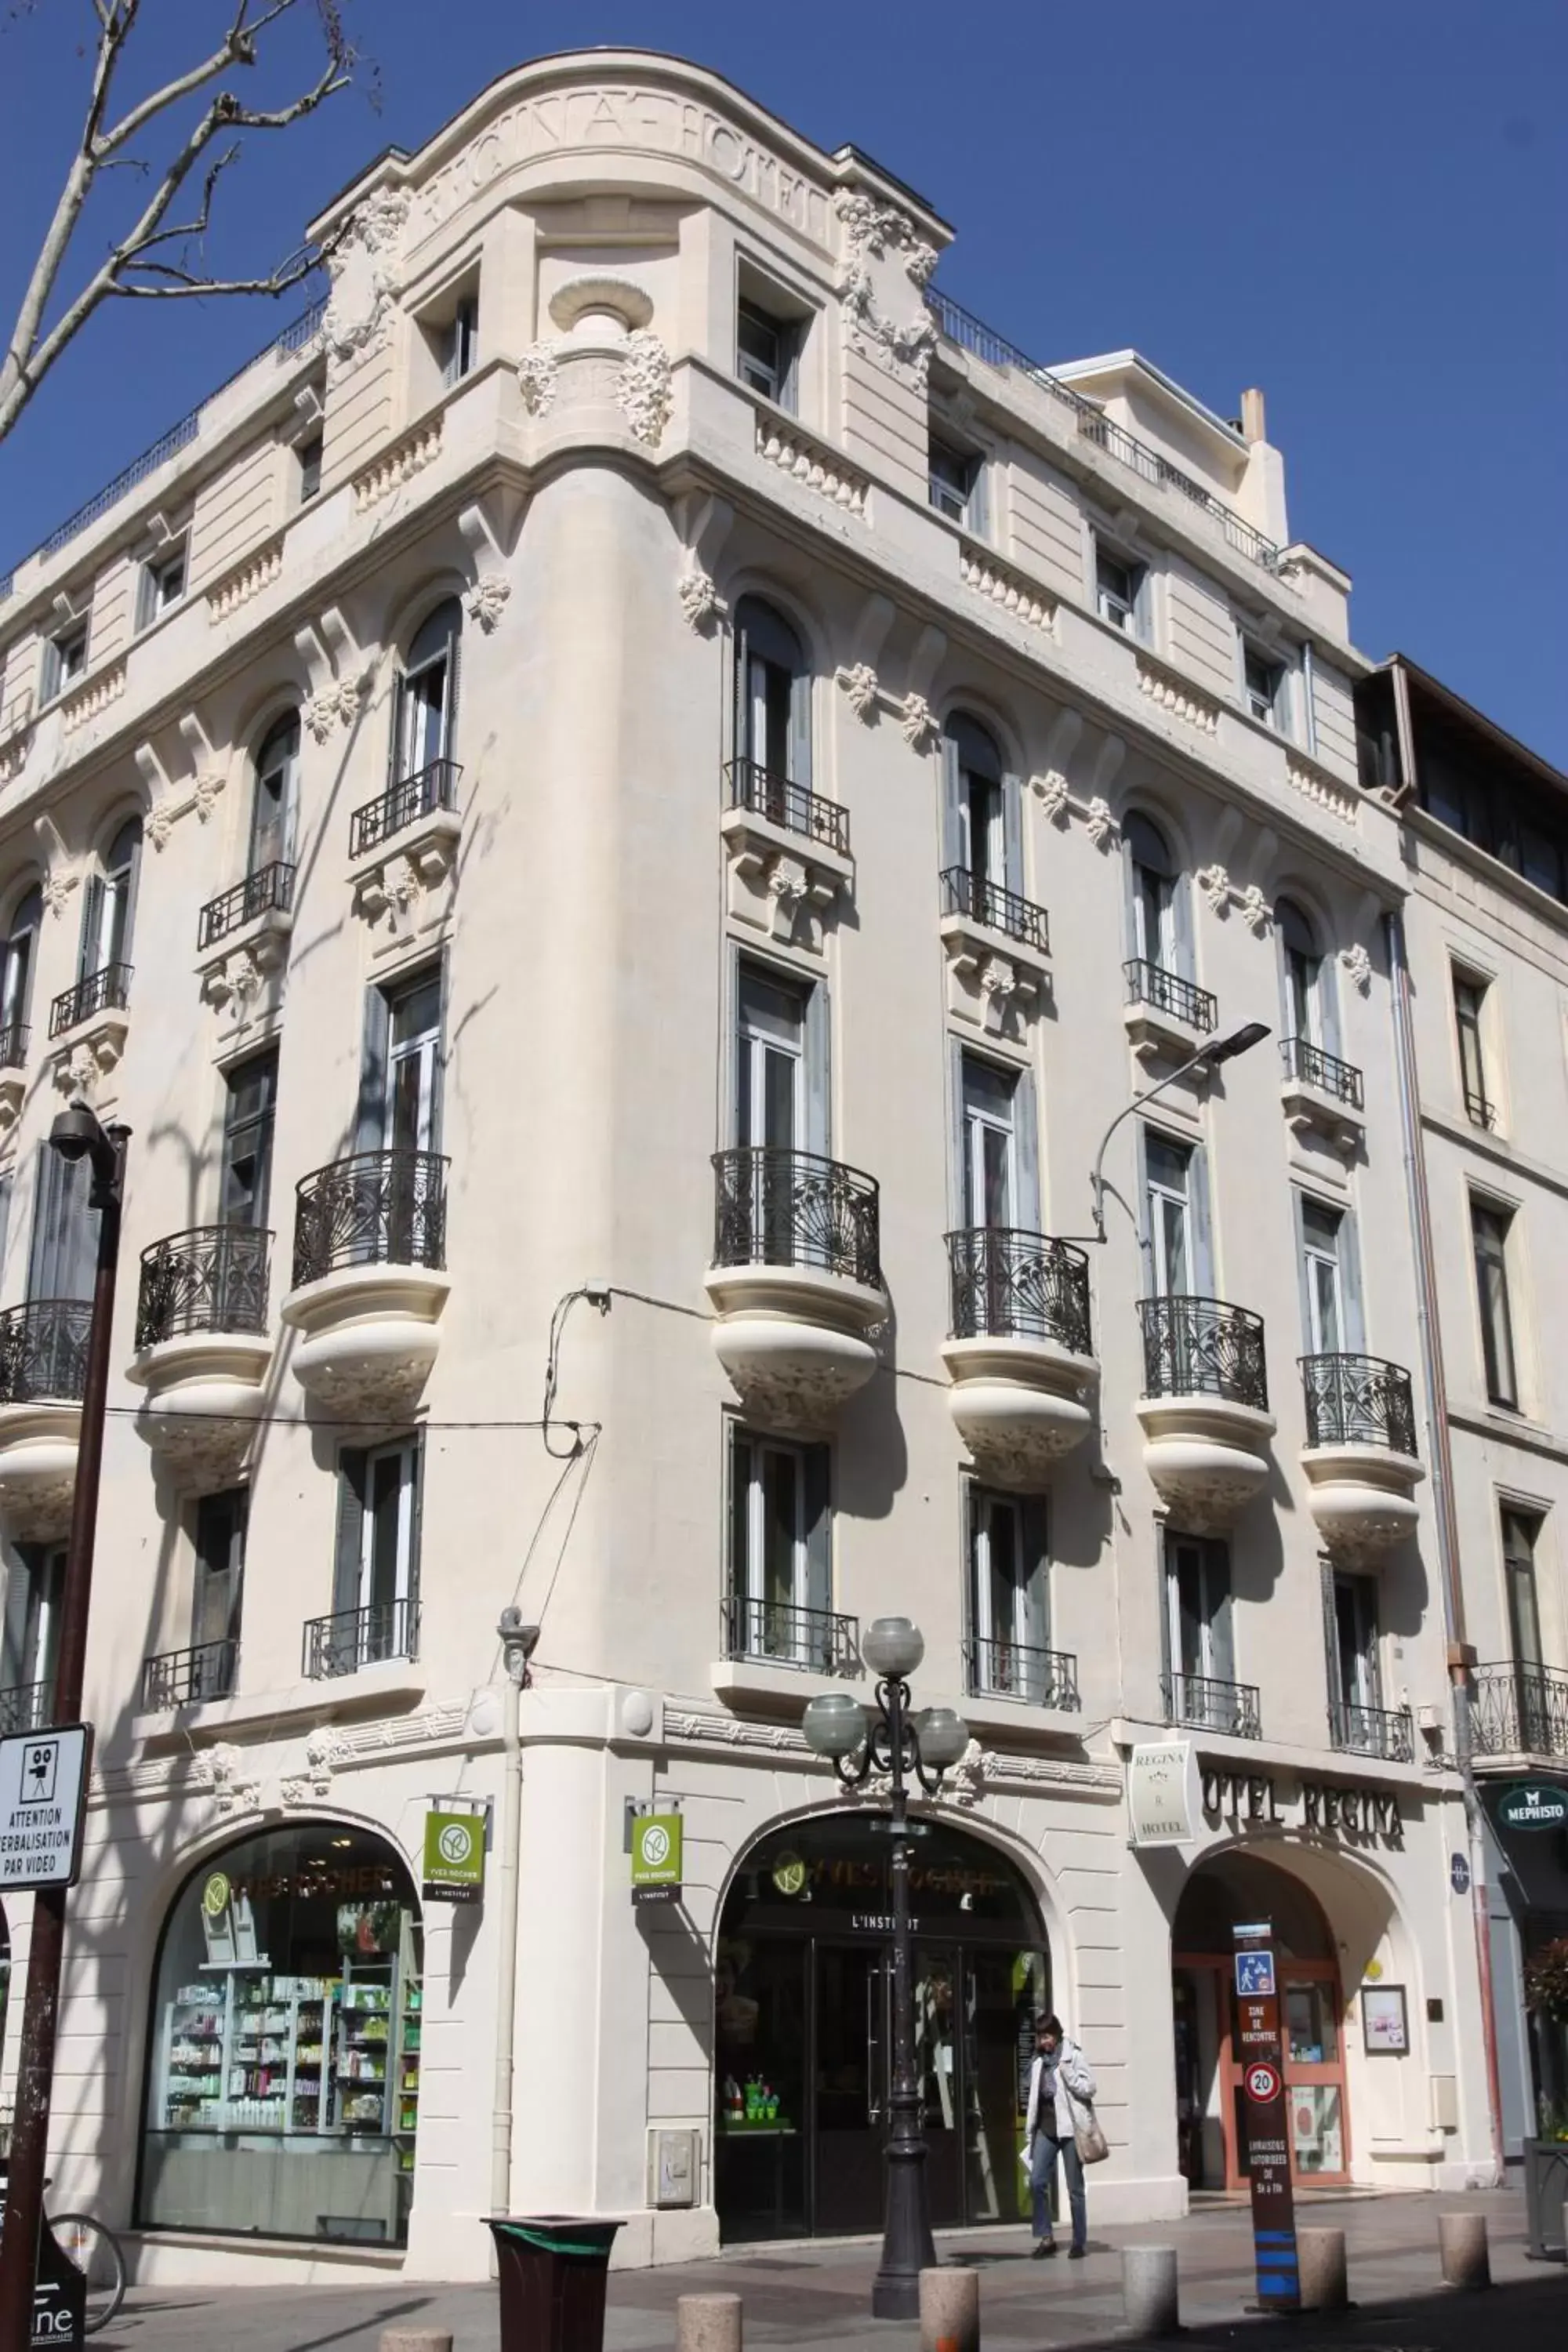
(802, 2038)
(283, 2054)
(1211, 2112)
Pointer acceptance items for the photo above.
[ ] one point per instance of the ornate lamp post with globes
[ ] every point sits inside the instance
(900, 1743)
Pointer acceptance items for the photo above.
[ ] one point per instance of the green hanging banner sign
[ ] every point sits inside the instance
(454, 1857)
(656, 1857)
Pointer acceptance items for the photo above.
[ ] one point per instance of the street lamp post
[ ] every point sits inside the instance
(75, 1135)
(898, 1743)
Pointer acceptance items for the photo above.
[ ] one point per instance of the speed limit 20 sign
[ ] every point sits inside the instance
(1263, 2082)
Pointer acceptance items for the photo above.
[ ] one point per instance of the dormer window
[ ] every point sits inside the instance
(65, 658)
(162, 584)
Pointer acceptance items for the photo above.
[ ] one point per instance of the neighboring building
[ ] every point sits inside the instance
(1487, 926)
(644, 762)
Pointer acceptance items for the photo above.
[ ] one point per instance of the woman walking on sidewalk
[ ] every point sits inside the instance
(1061, 2096)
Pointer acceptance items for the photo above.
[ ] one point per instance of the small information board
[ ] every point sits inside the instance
(454, 1857)
(43, 1798)
(59, 2297)
(1264, 2109)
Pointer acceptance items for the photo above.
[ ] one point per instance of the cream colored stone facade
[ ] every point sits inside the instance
(600, 493)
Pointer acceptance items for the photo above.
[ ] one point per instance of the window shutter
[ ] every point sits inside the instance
(416, 1530)
(1303, 1284)
(127, 944)
(398, 764)
(1204, 1277)
(800, 724)
(1013, 832)
(454, 675)
(1181, 926)
(743, 641)
(90, 957)
(977, 506)
(1332, 1664)
(791, 335)
(438, 1058)
(818, 1071)
(370, 1125)
(1350, 1286)
(818, 1529)
(958, 1135)
(740, 1452)
(1167, 1571)
(7, 1186)
(18, 1580)
(1026, 1152)
(952, 798)
(65, 1229)
(1328, 996)
(351, 1529)
(1142, 1208)
(1130, 902)
(1216, 1580)
(1036, 1571)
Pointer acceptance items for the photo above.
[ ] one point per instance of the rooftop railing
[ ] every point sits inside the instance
(972, 334)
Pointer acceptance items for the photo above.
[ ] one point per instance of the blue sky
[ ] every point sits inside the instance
(1358, 204)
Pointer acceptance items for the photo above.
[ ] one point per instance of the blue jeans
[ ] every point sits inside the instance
(1042, 2171)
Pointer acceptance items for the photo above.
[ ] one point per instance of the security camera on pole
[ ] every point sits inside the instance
(76, 1134)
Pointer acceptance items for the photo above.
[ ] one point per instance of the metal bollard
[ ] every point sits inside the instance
(1462, 2243)
(707, 2322)
(415, 2339)
(1320, 2257)
(1149, 2290)
(949, 2310)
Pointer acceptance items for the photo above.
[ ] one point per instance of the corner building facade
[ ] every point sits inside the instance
(702, 781)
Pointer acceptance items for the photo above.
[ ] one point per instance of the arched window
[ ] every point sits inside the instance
(110, 914)
(1153, 880)
(426, 725)
(1304, 976)
(272, 800)
(978, 820)
(773, 695)
(19, 955)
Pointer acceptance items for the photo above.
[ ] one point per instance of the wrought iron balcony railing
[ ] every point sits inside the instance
(794, 1208)
(378, 1208)
(756, 788)
(776, 1633)
(1201, 1346)
(1168, 992)
(1358, 1401)
(43, 1350)
(1479, 1112)
(998, 1668)
(964, 893)
(108, 990)
(1387, 1733)
(188, 1677)
(1519, 1710)
(340, 1644)
(15, 1038)
(27, 1706)
(1009, 1285)
(1209, 1705)
(1314, 1068)
(212, 1278)
(403, 804)
(270, 888)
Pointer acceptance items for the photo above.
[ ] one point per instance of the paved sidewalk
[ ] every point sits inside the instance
(818, 2296)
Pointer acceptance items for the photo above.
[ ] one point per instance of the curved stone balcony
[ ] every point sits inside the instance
(1021, 1356)
(795, 1282)
(42, 1370)
(369, 1280)
(202, 1349)
(1205, 1409)
(1360, 1456)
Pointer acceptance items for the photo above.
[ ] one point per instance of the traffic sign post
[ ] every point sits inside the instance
(1264, 2120)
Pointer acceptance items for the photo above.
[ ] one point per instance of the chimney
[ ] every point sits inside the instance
(1253, 427)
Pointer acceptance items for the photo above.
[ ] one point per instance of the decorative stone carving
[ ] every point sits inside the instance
(701, 602)
(1320, 786)
(97, 695)
(965, 1784)
(324, 1752)
(787, 883)
(539, 377)
(1358, 964)
(367, 1338)
(882, 320)
(245, 580)
(90, 1054)
(1255, 911)
(1015, 594)
(1173, 693)
(1214, 884)
(1099, 825)
(645, 389)
(1051, 792)
(919, 724)
(811, 462)
(165, 813)
(57, 887)
(488, 599)
(859, 685)
(14, 754)
(364, 267)
(235, 1790)
(338, 705)
(399, 463)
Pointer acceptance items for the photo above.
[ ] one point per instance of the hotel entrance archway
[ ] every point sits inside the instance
(802, 2029)
(1211, 2111)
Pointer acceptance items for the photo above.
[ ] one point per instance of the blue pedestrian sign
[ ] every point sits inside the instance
(1255, 1975)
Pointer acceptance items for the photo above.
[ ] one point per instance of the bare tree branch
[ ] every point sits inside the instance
(128, 267)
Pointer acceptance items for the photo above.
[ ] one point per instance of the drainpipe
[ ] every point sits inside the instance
(517, 1643)
(1460, 1657)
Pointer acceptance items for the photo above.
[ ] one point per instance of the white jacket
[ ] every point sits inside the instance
(1075, 2089)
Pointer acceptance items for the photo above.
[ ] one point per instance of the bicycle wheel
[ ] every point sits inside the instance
(96, 2252)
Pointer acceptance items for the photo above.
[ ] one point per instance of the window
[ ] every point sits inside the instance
(1153, 887)
(780, 1550)
(64, 1249)
(426, 708)
(35, 1590)
(460, 341)
(1519, 1533)
(1321, 1278)
(220, 1525)
(17, 957)
(770, 1098)
(956, 484)
(773, 697)
(272, 799)
(249, 1108)
(309, 455)
(983, 818)
(1009, 1597)
(162, 584)
(375, 1594)
(1263, 686)
(1489, 1232)
(1168, 1188)
(1469, 997)
(109, 912)
(65, 659)
(990, 1183)
(1303, 968)
(767, 349)
(1198, 1631)
(1355, 1683)
(1120, 587)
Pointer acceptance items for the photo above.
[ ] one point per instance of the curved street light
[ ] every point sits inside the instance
(902, 1744)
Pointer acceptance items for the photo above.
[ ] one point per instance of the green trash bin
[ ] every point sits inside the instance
(552, 2269)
